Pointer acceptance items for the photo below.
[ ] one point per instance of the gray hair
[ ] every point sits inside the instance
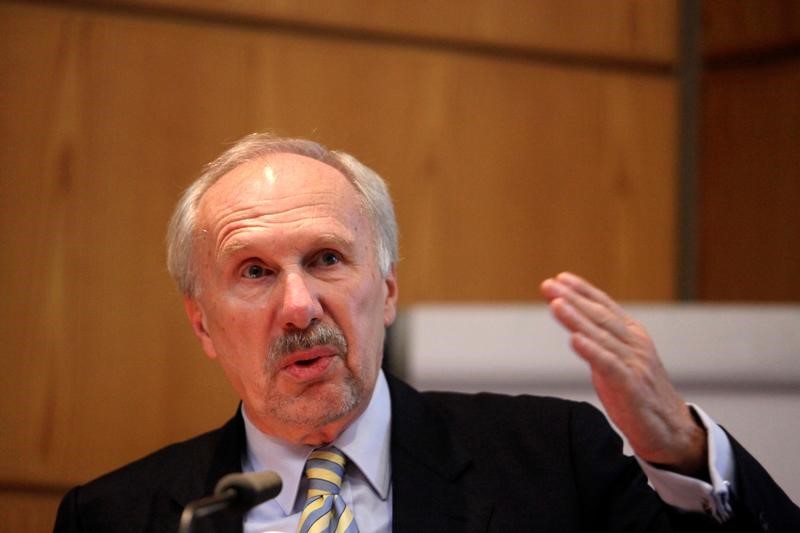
(375, 200)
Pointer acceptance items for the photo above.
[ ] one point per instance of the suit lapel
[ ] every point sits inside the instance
(430, 470)
(431, 473)
(201, 477)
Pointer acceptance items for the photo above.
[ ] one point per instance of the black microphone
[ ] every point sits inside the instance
(236, 492)
(249, 489)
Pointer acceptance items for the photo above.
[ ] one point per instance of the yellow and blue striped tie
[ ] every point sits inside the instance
(325, 510)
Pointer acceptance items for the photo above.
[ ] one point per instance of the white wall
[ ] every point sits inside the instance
(741, 363)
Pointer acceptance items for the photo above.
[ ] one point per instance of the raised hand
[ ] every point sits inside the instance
(628, 375)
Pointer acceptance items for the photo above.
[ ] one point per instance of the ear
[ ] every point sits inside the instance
(198, 321)
(390, 303)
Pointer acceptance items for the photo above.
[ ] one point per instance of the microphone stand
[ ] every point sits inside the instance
(237, 492)
(204, 507)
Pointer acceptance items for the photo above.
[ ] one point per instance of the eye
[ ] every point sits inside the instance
(254, 271)
(328, 258)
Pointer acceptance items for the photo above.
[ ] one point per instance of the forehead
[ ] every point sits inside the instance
(278, 183)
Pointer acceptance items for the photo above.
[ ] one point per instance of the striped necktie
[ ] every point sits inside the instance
(325, 510)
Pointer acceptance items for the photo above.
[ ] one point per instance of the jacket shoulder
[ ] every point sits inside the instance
(518, 413)
(158, 484)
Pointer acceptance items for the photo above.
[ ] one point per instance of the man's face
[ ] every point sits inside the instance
(290, 297)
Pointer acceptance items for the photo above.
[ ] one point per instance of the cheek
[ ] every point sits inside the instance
(238, 323)
(367, 301)
(367, 314)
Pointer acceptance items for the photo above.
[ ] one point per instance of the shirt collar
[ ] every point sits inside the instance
(365, 442)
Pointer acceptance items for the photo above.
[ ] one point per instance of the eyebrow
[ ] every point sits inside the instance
(233, 247)
(320, 241)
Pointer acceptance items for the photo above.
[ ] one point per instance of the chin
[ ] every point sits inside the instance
(319, 406)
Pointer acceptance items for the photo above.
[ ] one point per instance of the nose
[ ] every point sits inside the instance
(300, 307)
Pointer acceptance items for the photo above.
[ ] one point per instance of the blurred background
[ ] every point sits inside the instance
(651, 145)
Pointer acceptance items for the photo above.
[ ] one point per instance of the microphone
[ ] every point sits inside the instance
(249, 489)
(237, 492)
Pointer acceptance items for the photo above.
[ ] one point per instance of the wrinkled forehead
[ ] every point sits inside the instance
(278, 181)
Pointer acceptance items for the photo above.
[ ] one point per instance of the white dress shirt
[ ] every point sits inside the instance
(367, 482)
(690, 494)
(367, 485)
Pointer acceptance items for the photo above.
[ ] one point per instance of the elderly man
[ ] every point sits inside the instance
(285, 254)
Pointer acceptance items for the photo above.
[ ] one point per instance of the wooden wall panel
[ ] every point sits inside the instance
(92, 335)
(749, 161)
(750, 183)
(28, 512)
(749, 25)
(507, 190)
(638, 30)
(505, 170)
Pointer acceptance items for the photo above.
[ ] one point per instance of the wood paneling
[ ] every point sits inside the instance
(749, 161)
(506, 190)
(28, 511)
(504, 169)
(749, 25)
(750, 183)
(100, 366)
(638, 30)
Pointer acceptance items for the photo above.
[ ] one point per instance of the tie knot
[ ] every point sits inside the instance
(324, 470)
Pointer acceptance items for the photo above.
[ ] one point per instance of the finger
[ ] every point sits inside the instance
(551, 289)
(610, 319)
(577, 322)
(589, 291)
(601, 316)
(604, 364)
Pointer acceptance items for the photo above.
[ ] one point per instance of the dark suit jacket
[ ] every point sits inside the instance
(459, 463)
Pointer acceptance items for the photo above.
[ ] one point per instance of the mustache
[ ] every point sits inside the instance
(303, 339)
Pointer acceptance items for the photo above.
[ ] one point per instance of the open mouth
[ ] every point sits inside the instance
(309, 364)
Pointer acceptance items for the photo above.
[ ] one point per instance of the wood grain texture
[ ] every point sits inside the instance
(639, 30)
(750, 191)
(504, 171)
(563, 176)
(93, 334)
